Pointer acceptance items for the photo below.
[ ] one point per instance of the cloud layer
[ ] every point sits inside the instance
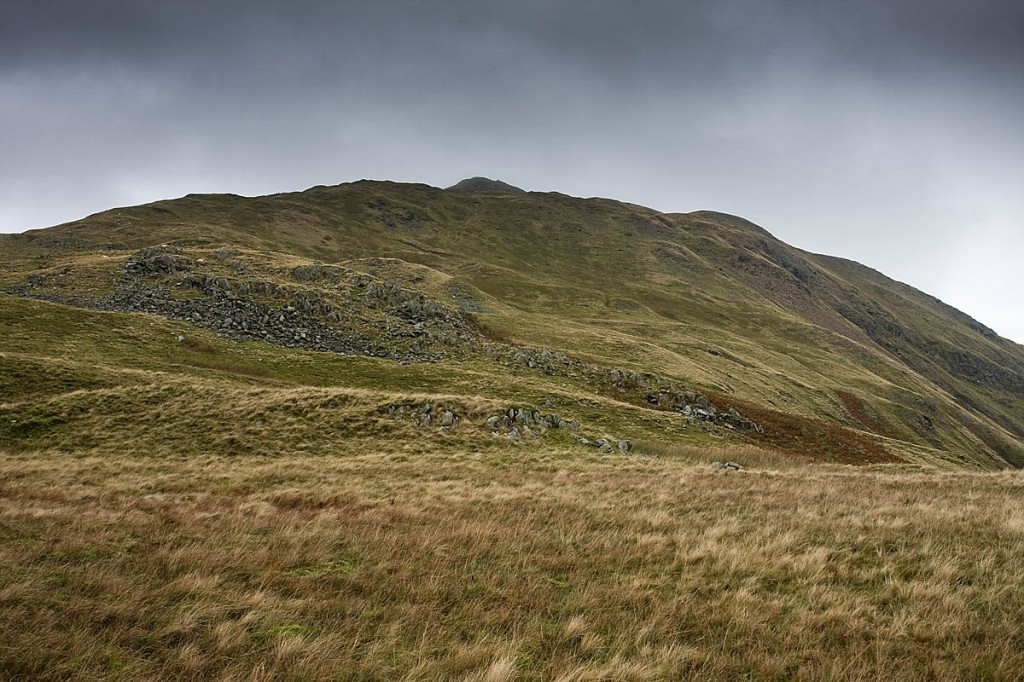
(887, 132)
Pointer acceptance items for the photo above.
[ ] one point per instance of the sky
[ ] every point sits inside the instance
(890, 132)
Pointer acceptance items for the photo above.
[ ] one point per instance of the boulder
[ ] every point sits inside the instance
(727, 465)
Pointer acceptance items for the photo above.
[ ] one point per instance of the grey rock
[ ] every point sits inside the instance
(727, 465)
(162, 260)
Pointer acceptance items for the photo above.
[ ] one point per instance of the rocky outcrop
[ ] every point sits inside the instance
(464, 299)
(287, 325)
(342, 311)
(158, 260)
(518, 422)
(728, 466)
(521, 421)
(316, 272)
(642, 388)
(605, 445)
(414, 306)
(513, 423)
(442, 416)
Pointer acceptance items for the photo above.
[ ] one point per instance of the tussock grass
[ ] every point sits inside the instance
(462, 564)
(176, 417)
(748, 456)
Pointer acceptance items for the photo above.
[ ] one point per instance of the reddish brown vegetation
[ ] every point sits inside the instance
(806, 436)
(858, 410)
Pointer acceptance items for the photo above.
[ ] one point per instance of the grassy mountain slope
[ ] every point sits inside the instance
(706, 299)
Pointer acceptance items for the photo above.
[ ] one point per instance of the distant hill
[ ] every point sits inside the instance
(634, 317)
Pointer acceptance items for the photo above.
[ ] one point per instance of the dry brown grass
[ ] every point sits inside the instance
(509, 564)
(176, 505)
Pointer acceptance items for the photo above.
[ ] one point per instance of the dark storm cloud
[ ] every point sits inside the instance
(615, 37)
(888, 132)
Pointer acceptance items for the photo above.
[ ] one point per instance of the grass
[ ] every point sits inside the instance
(531, 564)
(207, 509)
(178, 505)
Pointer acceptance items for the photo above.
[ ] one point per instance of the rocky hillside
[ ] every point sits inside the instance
(626, 314)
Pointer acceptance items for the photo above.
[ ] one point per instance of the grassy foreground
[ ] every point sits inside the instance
(175, 504)
(532, 562)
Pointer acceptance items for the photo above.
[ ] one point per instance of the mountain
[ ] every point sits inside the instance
(587, 320)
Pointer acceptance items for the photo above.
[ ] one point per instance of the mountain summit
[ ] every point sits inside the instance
(485, 185)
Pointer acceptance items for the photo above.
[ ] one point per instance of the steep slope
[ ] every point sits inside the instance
(824, 354)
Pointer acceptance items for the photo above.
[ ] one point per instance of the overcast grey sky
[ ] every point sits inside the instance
(886, 131)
